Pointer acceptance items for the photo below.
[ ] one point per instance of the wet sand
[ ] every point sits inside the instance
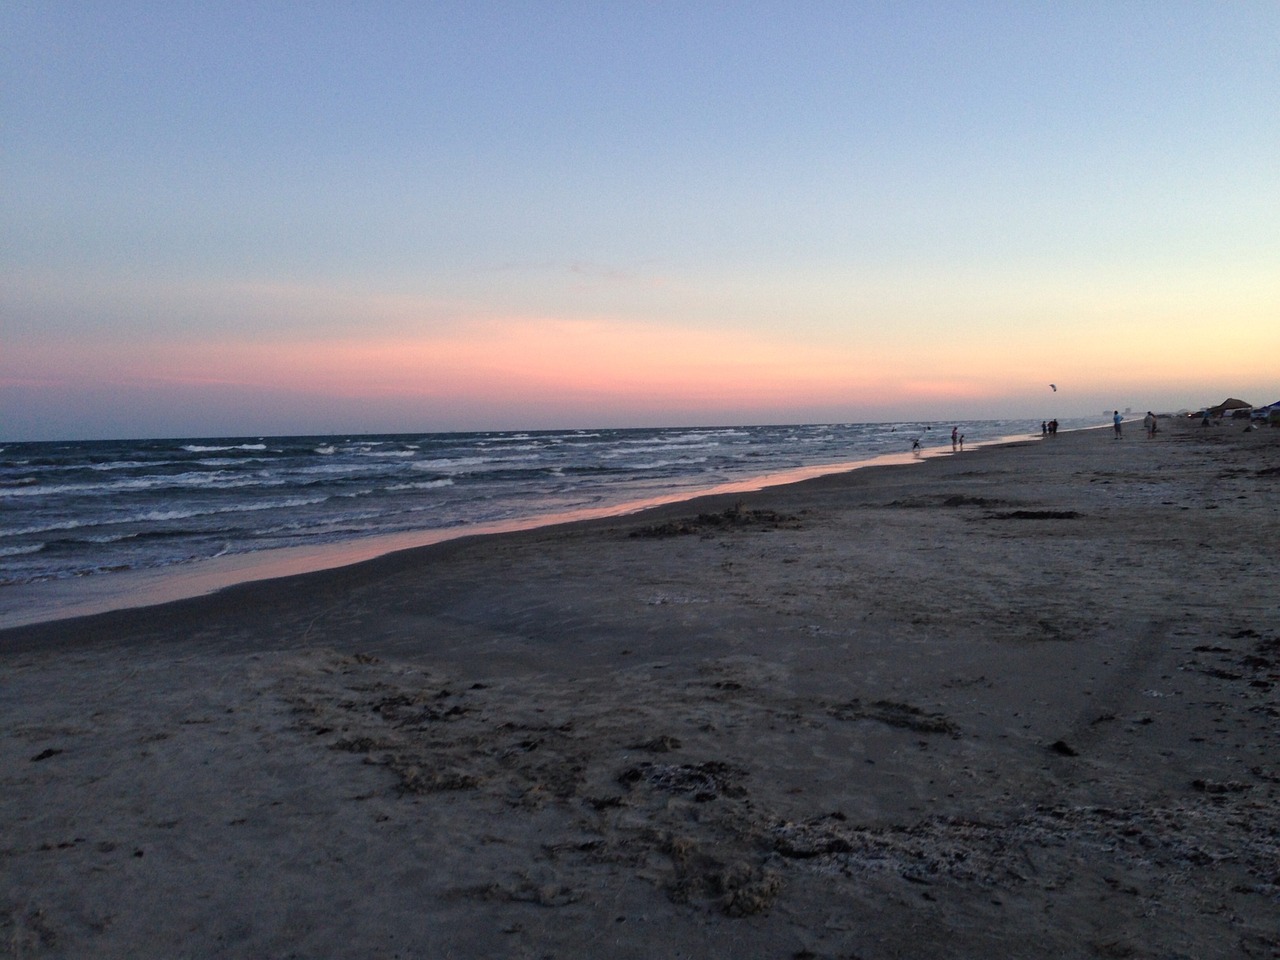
(1017, 702)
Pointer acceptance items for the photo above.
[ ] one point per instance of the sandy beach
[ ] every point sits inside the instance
(1017, 702)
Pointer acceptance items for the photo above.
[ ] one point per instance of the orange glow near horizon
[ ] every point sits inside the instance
(587, 368)
(507, 360)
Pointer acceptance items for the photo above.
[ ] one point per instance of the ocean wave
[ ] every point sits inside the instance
(453, 463)
(112, 465)
(21, 550)
(543, 440)
(237, 462)
(164, 516)
(112, 537)
(220, 480)
(323, 527)
(702, 436)
(425, 485)
(331, 466)
(51, 489)
(652, 446)
(46, 528)
(197, 448)
(487, 465)
(157, 516)
(659, 464)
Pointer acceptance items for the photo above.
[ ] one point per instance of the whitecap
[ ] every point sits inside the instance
(133, 464)
(425, 485)
(197, 448)
(159, 516)
(45, 528)
(20, 551)
(453, 464)
(231, 461)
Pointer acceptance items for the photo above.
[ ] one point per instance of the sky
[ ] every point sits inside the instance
(254, 218)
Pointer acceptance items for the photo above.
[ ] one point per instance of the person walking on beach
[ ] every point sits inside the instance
(1149, 424)
(1116, 420)
(954, 435)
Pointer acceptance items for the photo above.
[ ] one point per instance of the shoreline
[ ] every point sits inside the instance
(1019, 703)
(50, 601)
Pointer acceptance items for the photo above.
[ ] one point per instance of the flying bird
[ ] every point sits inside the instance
(1054, 386)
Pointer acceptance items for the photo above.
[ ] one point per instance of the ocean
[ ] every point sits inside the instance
(95, 509)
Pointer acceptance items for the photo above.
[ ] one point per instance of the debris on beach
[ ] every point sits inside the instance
(732, 518)
(895, 715)
(1036, 515)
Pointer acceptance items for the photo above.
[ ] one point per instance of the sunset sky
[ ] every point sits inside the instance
(227, 219)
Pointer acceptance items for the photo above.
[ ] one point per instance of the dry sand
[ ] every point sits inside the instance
(1019, 702)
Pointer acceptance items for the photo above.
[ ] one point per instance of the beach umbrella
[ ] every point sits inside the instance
(1231, 403)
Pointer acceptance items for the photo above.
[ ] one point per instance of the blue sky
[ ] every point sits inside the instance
(281, 218)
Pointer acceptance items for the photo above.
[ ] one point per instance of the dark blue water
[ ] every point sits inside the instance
(95, 507)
